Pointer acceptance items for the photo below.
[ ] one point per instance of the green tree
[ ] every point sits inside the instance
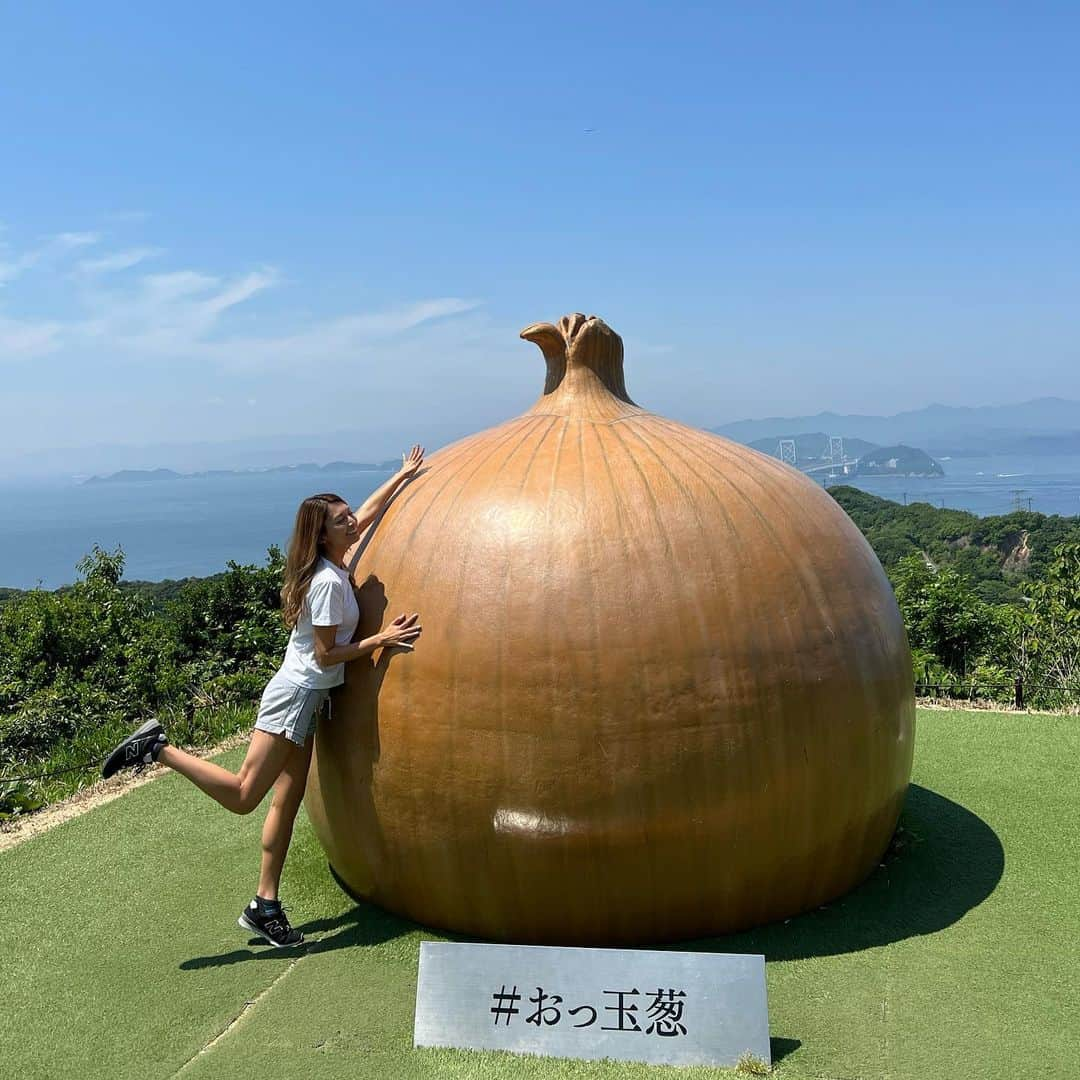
(81, 657)
(954, 635)
(229, 628)
(1051, 627)
(942, 614)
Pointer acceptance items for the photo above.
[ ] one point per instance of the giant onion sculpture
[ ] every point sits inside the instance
(663, 689)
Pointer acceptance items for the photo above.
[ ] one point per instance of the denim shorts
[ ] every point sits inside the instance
(289, 710)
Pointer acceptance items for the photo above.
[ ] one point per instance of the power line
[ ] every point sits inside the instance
(55, 772)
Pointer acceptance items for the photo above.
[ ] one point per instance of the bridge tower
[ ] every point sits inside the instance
(836, 450)
(787, 452)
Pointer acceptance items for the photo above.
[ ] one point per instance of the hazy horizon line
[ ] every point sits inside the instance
(250, 440)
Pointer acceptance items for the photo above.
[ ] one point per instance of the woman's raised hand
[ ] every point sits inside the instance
(402, 632)
(412, 461)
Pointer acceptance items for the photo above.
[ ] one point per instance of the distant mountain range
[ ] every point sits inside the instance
(370, 442)
(1043, 426)
(144, 476)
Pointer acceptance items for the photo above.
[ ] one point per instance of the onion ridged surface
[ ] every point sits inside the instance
(663, 688)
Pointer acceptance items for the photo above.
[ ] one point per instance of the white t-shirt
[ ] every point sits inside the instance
(329, 602)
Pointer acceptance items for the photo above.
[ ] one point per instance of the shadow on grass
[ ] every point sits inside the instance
(781, 1048)
(363, 925)
(944, 861)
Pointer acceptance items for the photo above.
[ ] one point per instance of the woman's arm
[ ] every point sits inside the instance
(400, 634)
(372, 506)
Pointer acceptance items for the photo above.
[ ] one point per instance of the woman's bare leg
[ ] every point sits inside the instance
(278, 827)
(239, 792)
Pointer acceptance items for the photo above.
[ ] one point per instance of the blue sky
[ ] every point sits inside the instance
(231, 221)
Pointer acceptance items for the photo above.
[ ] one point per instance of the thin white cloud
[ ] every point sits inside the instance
(239, 291)
(50, 251)
(13, 266)
(67, 241)
(166, 288)
(333, 340)
(119, 260)
(167, 315)
(26, 340)
(186, 316)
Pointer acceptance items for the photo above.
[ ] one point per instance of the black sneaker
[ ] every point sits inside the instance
(140, 748)
(274, 928)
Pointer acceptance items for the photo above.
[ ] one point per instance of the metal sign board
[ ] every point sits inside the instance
(665, 1008)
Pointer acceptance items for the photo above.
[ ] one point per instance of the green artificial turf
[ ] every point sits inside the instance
(120, 955)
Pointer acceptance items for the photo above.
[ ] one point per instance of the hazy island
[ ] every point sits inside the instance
(143, 476)
(897, 461)
(814, 452)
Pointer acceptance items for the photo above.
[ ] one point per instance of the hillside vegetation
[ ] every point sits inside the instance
(985, 601)
(998, 555)
(81, 666)
(156, 594)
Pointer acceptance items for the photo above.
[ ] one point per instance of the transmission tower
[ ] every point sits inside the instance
(787, 452)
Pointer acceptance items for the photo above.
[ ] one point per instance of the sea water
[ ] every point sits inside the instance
(188, 527)
(986, 486)
(195, 525)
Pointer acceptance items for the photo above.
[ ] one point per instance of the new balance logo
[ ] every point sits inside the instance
(131, 751)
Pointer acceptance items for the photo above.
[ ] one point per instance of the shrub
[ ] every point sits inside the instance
(98, 656)
(232, 621)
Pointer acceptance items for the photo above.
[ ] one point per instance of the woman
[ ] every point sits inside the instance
(319, 605)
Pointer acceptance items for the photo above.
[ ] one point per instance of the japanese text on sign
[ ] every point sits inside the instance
(664, 1012)
(662, 1007)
